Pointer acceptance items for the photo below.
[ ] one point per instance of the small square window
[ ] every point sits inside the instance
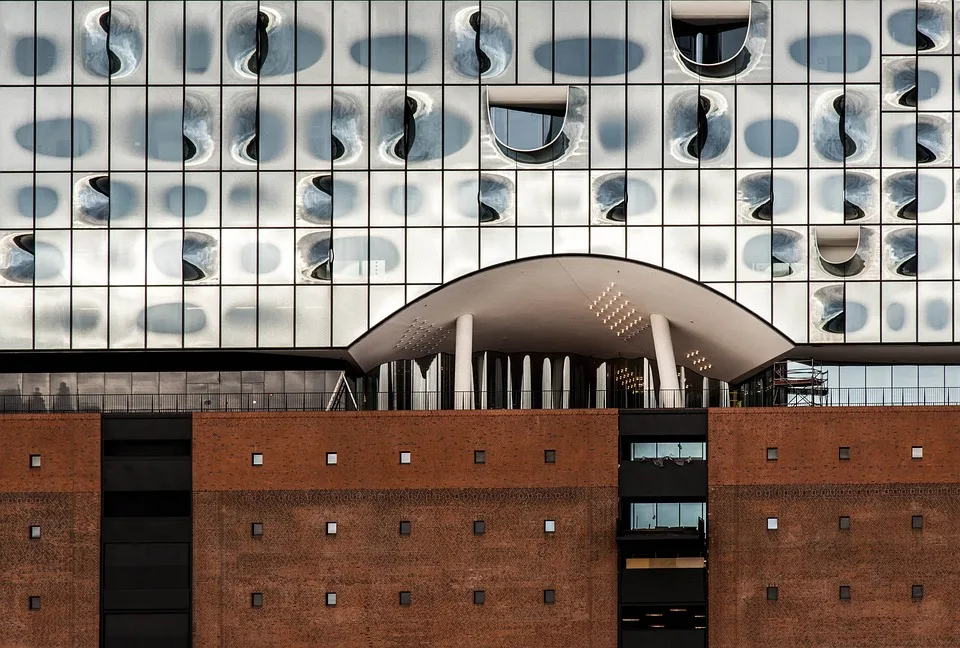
(844, 522)
(256, 600)
(916, 592)
(34, 603)
(404, 527)
(916, 452)
(404, 598)
(479, 527)
(479, 596)
(256, 459)
(549, 456)
(331, 599)
(549, 597)
(772, 524)
(773, 593)
(844, 592)
(404, 457)
(844, 453)
(331, 528)
(34, 461)
(549, 526)
(772, 454)
(479, 456)
(256, 529)
(331, 458)
(34, 531)
(916, 522)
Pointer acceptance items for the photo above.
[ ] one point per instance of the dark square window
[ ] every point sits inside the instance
(404, 598)
(844, 592)
(773, 593)
(916, 522)
(844, 453)
(256, 599)
(34, 602)
(844, 522)
(256, 529)
(479, 456)
(404, 527)
(479, 527)
(771, 454)
(549, 597)
(479, 596)
(549, 456)
(916, 592)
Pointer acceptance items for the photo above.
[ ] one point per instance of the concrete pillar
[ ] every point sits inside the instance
(526, 387)
(601, 398)
(666, 361)
(383, 387)
(546, 383)
(566, 383)
(463, 363)
(705, 398)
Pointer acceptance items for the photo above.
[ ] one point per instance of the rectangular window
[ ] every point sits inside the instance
(331, 599)
(331, 458)
(404, 457)
(34, 603)
(916, 452)
(256, 600)
(479, 456)
(256, 529)
(549, 526)
(772, 524)
(479, 597)
(550, 456)
(549, 596)
(34, 461)
(773, 593)
(844, 522)
(844, 453)
(331, 528)
(916, 522)
(772, 454)
(34, 531)
(404, 598)
(844, 592)
(479, 527)
(256, 459)
(405, 527)
(916, 592)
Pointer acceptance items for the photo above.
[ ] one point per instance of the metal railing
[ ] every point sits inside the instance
(553, 399)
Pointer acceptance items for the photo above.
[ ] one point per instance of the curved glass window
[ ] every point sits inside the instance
(710, 32)
(528, 121)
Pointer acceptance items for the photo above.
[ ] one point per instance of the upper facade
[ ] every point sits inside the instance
(244, 174)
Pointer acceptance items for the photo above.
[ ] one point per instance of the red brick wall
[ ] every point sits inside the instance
(63, 497)
(368, 563)
(808, 557)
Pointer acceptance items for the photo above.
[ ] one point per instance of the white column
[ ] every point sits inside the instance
(724, 394)
(526, 386)
(705, 398)
(463, 363)
(601, 398)
(383, 387)
(546, 384)
(666, 361)
(566, 383)
(483, 380)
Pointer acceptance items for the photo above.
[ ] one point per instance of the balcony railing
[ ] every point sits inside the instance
(553, 399)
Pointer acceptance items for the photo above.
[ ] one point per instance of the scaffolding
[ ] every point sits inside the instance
(799, 383)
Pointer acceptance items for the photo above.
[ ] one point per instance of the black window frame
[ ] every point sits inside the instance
(916, 592)
(405, 527)
(479, 527)
(549, 596)
(773, 593)
(256, 529)
(844, 519)
(916, 522)
(479, 597)
(845, 593)
(256, 599)
(33, 603)
(550, 456)
(405, 599)
(844, 453)
(773, 453)
(479, 457)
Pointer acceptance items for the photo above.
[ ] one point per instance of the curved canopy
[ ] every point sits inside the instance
(586, 305)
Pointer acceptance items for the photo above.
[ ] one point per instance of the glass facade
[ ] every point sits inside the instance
(278, 174)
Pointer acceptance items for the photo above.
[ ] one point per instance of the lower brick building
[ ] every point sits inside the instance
(732, 528)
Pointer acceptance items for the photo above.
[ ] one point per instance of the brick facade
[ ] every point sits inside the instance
(808, 557)
(63, 498)
(368, 562)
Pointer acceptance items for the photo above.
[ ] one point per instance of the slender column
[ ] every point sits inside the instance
(383, 387)
(566, 383)
(526, 385)
(546, 383)
(463, 363)
(666, 361)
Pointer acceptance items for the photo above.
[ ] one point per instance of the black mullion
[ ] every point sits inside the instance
(296, 79)
(110, 179)
(183, 176)
(256, 131)
(33, 291)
